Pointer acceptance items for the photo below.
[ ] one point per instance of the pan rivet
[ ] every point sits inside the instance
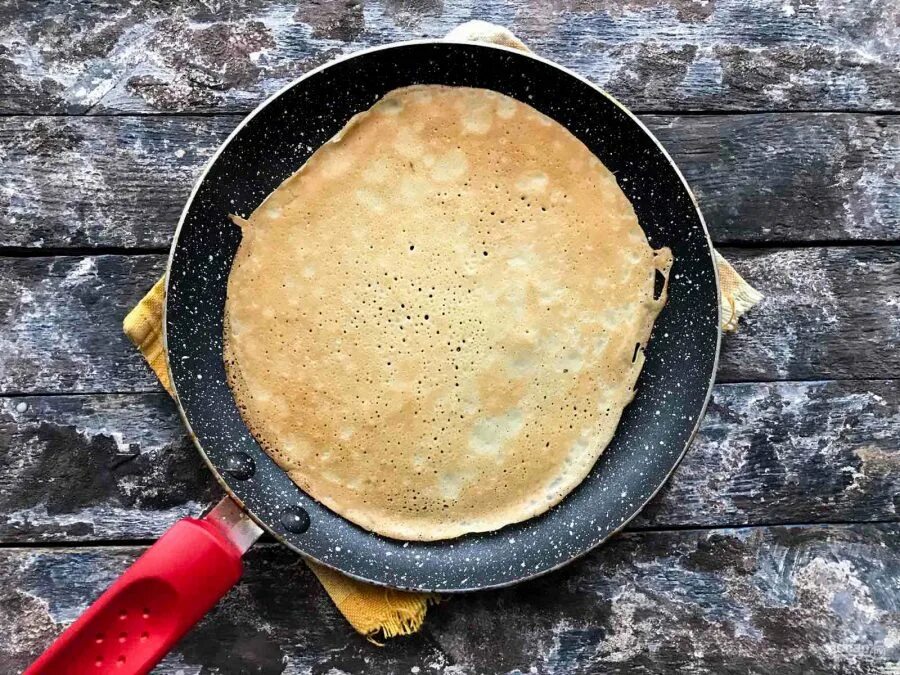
(295, 520)
(240, 465)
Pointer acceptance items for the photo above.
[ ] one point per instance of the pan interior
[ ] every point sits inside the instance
(435, 324)
(655, 428)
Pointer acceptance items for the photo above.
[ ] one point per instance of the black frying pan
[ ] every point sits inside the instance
(672, 392)
(654, 432)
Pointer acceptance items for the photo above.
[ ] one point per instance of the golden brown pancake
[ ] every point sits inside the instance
(435, 324)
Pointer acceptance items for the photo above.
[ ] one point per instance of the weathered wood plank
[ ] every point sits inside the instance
(830, 313)
(61, 323)
(122, 181)
(102, 181)
(95, 468)
(782, 599)
(788, 452)
(790, 178)
(77, 57)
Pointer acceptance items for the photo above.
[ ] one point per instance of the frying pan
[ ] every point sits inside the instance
(197, 561)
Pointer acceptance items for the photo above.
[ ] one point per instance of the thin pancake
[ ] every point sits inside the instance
(435, 324)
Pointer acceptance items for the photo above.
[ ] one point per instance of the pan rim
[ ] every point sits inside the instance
(430, 41)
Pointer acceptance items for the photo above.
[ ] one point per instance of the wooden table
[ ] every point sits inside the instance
(773, 549)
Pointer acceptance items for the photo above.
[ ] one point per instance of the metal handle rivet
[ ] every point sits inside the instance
(295, 520)
(240, 465)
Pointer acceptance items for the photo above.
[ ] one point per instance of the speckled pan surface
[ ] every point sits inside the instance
(655, 429)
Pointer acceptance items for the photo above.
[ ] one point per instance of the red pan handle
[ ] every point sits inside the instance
(134, 624)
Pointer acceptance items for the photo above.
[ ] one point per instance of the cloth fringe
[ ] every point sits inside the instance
(737, 297)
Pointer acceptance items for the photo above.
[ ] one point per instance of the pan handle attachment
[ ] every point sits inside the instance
(135, 623)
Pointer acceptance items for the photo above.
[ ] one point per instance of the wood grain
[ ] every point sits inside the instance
(107, 467)
(122, 181)
(94, 468)
(788, 452)
(776, 599)
(109, 110)
(61, 323)
(790, 178)
(101, 181)
(185, 55)
(829, 313)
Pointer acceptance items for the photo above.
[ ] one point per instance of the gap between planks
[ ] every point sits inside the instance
(267, 540)
(63, 252)
(159, 390)
(635, 111)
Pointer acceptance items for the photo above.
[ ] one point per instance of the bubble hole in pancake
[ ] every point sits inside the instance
(434, 325)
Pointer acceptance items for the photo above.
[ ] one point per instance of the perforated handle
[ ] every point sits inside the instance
(150, 607)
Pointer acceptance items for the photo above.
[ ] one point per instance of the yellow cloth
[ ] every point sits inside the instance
(737, 297)
(373, 610)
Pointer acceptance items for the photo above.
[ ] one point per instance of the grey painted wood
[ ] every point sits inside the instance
(185, 55)
(764, 600)
(790, 178)
(99, 468)
(94, 468)
(102, 181)
(789, 452)
(61, 323)
(78, 468)
(829, 313)
(122, 181)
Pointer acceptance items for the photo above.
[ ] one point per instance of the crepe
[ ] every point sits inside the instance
(434, 325)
